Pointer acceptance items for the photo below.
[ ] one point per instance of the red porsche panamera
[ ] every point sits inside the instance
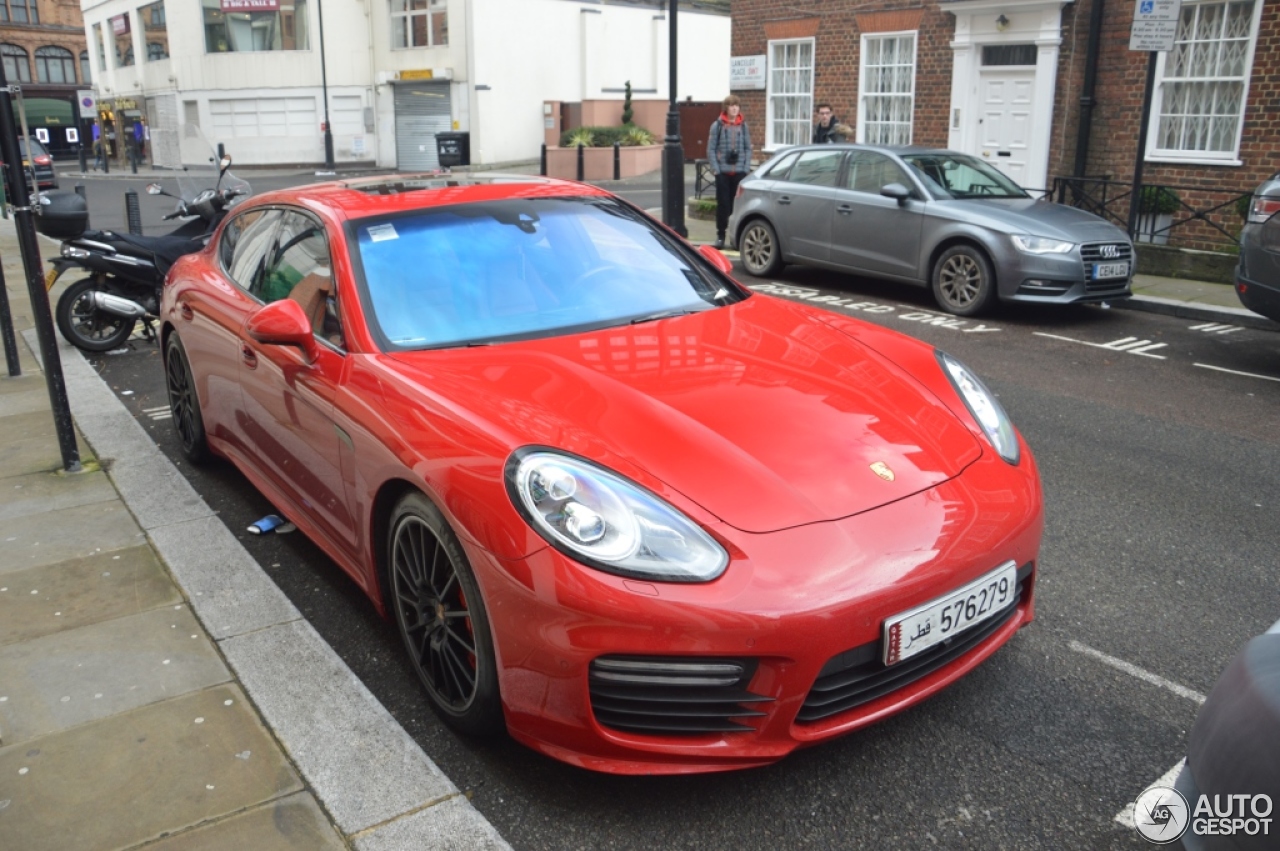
(618, 505)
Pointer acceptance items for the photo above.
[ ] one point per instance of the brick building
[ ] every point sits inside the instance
(1004, 80)
(43, 46)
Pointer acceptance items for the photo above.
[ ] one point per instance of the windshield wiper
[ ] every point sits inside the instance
(662, 314)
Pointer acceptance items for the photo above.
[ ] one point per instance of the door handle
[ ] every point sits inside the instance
(249, 356)
(785, 199)
(185, 310)
(844, 209)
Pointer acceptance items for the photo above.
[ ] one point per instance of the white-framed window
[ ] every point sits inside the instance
(1197, 111)
(887, 88)
(419, 23)
(789, 114)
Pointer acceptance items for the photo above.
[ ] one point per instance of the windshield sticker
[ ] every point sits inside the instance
(381, 233)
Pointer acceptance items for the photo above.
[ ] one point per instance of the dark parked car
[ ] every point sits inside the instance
(931, 217)
(43, 163)
(1258, 273)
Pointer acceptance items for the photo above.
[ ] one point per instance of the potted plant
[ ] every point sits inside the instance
(1155, 214)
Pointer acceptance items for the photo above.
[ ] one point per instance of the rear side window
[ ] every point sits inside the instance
(817, 168)
(869, 171)
(781, 167)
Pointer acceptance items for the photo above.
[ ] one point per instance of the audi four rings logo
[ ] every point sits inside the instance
(1110, 251)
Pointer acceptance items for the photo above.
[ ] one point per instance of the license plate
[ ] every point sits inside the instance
(916, 631)
(49, 278)
(1102, 271)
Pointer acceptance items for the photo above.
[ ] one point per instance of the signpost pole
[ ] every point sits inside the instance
(1135, 200)
(1154, 29)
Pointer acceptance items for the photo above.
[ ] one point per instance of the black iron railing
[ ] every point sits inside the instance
(1187, 216)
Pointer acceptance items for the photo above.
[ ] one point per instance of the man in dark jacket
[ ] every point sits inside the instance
(826, 123)
(729, 153)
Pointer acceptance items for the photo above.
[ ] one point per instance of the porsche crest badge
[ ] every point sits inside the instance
(882, 470)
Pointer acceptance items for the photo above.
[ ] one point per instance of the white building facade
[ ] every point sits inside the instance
(397, 72)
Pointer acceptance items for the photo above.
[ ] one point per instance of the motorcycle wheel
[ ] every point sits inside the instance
(86, 327)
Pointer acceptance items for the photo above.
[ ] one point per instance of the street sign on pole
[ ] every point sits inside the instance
(1155, 24)
(88, 103)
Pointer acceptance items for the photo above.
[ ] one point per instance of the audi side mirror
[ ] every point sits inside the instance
(896, 191)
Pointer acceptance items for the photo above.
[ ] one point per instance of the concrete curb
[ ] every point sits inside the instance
(1190, 310)
(375, 782)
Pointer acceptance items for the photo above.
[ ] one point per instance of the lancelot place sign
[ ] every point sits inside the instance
(746, 72)
(251, 5)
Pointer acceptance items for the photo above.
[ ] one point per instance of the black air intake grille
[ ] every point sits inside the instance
(673, 695)
(858, 676)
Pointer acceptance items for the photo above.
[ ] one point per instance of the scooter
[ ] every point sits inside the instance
(126, 272)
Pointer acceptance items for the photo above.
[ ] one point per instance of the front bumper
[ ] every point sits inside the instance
(1061, 279)
(794, 607)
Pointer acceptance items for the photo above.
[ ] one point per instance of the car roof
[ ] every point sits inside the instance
(899, 150)
(390, 193)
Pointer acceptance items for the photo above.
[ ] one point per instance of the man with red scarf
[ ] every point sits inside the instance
(729, 152)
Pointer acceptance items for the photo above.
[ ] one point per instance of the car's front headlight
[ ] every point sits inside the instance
(1041, 245)
(607, 522)
(984, 407)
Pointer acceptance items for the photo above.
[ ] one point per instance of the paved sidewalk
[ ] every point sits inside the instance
(156, 688)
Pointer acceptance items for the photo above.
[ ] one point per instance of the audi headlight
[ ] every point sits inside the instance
(1041, 245)
(609, 523)
(982, 404)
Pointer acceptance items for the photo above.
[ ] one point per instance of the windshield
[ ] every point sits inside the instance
(518, 269)
(199, 171)
(961, 176)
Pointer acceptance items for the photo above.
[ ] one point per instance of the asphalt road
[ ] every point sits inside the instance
(1158, 446)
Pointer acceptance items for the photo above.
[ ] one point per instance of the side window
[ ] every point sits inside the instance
(780, 169)
(869, 171)
(244, 244)
(817, 168)
(298, 268)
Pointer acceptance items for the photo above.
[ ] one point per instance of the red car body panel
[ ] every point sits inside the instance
(759, 421)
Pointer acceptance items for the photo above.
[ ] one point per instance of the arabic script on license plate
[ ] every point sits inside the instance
(915, 631)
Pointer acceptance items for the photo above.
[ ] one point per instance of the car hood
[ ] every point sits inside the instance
(759, 412)
(1036, 218)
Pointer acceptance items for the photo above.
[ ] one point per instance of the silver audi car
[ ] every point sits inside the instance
(931, 217)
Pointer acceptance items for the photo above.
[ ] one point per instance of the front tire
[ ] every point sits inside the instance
(442, 618)
(759, 248)
(86, 327)
(963, 283)
(184, 403)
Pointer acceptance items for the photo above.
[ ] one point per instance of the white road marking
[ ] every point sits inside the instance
(1134, 671)
(912, 313)
(1129, 345)
(1237, 372)
(1125, 816)
(1215, 328)
(162, 412)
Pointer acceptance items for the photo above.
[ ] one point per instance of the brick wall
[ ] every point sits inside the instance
(61, 25)
(837, 28)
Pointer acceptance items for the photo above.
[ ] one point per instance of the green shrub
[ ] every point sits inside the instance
(604, 137)
(627, 112)
(1159, 199)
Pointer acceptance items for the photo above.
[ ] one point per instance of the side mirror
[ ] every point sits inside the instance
(225, 162)
(282, 323)
(724, 264)
(155, 189)
(896, 191)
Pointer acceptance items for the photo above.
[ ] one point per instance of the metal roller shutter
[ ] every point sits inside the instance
(422, 111)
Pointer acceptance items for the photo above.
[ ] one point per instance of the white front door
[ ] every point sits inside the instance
(1004, 120)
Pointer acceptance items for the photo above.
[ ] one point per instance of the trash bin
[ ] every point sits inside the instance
(453, 149)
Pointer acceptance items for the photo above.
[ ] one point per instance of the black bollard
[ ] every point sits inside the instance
(84, 160)
(133, 212)
(581, 162)
(617, 161)
(542, 170)
(133, 158)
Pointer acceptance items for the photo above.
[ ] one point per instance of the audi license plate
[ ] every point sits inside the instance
(1103, 271)
(916, 631)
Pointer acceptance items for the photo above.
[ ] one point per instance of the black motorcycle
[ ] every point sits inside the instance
(126, 272)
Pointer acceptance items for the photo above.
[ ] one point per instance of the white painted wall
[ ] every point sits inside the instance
(528, 51)
(524, 51)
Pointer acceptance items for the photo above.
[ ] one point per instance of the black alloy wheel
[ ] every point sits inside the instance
(442, 619)
(963, 283)
(761, 254)
(183, 401)
(84, 325)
